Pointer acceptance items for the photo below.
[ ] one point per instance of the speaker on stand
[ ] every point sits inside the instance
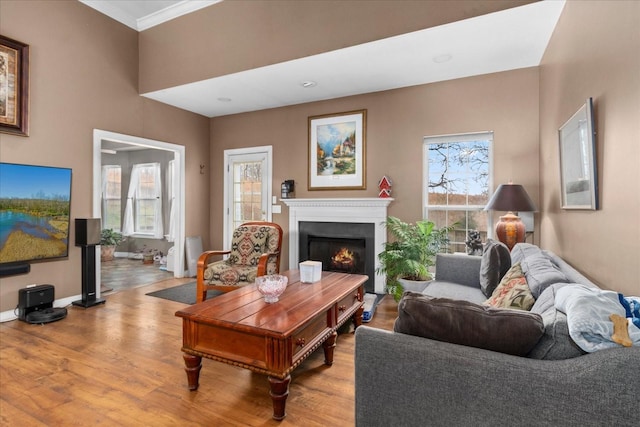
(88, 234)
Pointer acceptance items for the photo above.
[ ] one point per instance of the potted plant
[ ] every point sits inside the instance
(409, 254)
(109, 239)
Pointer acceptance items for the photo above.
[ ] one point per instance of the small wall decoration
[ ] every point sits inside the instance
(578, 172)
(384, 187)
(14, 87)
(337, 151)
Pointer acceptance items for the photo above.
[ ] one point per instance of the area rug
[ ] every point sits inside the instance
(182, 293)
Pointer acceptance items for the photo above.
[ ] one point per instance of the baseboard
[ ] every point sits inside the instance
(9, 315)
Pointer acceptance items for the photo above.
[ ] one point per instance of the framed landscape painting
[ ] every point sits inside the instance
(337, 151)
(578, 171)
(14, 87)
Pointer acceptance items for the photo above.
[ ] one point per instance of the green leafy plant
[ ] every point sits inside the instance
(108, 237)
(410, 252)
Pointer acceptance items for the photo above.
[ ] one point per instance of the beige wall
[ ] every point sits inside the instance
(397, 121)
(238, 35)
(595, 52)
(84, 69)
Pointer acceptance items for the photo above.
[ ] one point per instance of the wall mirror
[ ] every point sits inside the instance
(578, 175)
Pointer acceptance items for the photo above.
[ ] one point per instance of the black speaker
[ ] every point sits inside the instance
(14, 269)
(88, 231)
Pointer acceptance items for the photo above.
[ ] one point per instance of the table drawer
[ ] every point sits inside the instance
(308, 336)
(349, 304)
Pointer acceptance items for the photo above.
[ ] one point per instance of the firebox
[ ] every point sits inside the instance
(340, 246)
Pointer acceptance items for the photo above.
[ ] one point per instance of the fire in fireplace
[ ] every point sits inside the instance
(341, 247)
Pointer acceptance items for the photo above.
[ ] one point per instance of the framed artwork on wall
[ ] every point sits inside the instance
(14, 87)
(578, 171)
(337, 151)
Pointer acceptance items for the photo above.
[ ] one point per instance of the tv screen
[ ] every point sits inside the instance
(35, 202)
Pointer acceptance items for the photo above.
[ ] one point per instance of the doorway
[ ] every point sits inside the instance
(105, 141)
(247, 187)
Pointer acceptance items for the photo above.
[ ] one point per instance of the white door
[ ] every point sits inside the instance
(247, 187)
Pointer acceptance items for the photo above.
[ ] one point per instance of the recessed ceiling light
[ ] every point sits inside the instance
(224, 99)
(439, 59)
(308, 83)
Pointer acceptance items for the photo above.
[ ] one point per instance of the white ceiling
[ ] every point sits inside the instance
(506, 40)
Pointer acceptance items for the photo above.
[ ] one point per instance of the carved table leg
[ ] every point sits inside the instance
(192, 368)
(357, 317)
(279, 393)
(329, 345)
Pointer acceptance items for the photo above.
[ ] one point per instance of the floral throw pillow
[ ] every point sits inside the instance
(513, 291)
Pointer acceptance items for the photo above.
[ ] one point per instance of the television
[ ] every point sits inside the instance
(35, 203)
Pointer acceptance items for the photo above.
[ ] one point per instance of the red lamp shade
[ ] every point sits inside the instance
(511, 198)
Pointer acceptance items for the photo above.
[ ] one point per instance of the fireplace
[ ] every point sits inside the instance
(359, 221)
(340, 246)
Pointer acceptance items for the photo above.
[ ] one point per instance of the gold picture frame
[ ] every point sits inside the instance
(14, 87)
(337, 151)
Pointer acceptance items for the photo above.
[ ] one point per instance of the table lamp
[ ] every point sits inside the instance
(511, 198)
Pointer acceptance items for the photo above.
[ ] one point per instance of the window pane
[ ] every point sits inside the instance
(145, 213)
(111, 215)
(247, 191)
(145, 216)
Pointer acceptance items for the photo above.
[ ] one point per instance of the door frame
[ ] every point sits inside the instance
(226, 213)
(179, 184)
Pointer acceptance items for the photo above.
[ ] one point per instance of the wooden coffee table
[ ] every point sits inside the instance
(240, 329)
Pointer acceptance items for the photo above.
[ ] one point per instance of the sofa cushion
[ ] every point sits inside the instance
(540, 273)
(496, 261)
(513, 291)
(461, 322)
(555, 343)
(523, 250)
(444, 289)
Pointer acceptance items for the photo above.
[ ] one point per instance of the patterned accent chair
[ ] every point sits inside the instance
(255, 251)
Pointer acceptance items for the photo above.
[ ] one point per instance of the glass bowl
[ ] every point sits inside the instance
(272, 286)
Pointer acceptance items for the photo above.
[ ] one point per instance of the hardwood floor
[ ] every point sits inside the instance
(120, 364)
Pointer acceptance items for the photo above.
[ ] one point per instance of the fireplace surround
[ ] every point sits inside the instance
(358, 211)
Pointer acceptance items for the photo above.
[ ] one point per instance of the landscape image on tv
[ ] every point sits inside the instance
(34, 212)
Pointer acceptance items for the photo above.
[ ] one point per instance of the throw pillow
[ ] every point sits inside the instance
(513, 291)
(496, 261)
(461, 322)
(541, 273)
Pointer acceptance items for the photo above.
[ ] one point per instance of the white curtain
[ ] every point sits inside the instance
(105, 170)
(128, 227)
(171, 235)
(158, 227)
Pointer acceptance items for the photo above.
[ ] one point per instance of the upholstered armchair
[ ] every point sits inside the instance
(255, 251)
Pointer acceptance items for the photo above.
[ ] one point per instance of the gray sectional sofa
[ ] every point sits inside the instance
(408, 380)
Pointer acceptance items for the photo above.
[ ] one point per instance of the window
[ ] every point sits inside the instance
(143, 212)
(247, 192)
(112, 197)
(456, 183)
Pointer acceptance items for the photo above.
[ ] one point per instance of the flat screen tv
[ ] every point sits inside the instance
(35, 202)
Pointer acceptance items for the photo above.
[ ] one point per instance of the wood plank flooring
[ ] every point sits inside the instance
(120, 364)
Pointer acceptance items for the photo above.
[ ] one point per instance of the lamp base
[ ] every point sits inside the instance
(510, 230)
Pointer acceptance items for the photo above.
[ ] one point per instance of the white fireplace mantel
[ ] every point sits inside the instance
(361, 210)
